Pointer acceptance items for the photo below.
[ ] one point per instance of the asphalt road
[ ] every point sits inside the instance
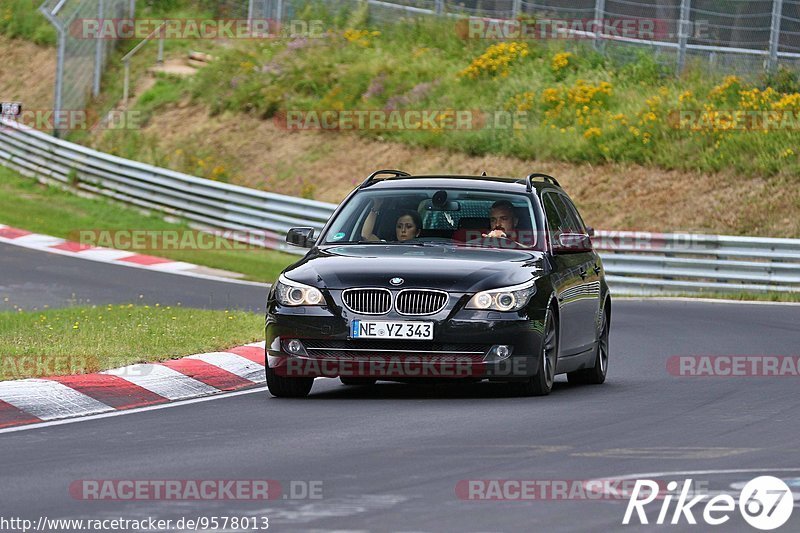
(389, 457)
(32, 279)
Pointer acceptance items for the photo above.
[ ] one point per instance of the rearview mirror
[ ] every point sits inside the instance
(302, 237)
(570, 243)
(452, 205)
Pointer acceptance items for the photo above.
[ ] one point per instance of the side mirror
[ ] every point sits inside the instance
(302, 237)
(572, 243)
(590, 231)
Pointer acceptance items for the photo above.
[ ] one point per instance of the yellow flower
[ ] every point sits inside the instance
(360, 37)
(496, 60)
(788, 102)
(592, 132)
(560, 61)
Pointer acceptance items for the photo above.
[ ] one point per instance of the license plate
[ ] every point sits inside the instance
(368, 329)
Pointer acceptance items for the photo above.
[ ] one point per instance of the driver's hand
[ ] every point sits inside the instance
(496, 233)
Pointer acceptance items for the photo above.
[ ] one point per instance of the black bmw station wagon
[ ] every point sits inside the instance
(419, 278)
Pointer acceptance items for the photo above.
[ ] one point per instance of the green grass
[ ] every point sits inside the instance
(781, 297)
(26, 204)
(80, 340)
(21, 19)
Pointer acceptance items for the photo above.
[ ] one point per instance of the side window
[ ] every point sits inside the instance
(558, 216)
(576, 222)
(552, 212)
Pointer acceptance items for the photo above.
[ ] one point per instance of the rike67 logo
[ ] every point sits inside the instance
(766, 503)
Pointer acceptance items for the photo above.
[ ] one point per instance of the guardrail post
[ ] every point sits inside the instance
(98, 54)
(775, 34)
(599, 13)
(160, 57)
(439, 7)
(516, 8)
(127, 84)
(684, 24)
(62, 47)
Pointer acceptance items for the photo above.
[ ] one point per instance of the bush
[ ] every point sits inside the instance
(19, 19)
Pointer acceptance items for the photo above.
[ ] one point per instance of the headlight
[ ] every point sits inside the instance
(292, 293)
(505, 299)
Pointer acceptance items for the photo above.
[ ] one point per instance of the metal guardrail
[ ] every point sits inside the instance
(635, 262)
(687, 262)
(205, 203)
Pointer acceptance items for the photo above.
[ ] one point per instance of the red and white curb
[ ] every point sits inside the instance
(30, 401)
(46, 243)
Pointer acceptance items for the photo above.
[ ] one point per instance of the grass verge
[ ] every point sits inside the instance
(80, 340)
(780, 297)
(29, 205)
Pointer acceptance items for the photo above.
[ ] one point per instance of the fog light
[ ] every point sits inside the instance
(502, 351)
(295, 347)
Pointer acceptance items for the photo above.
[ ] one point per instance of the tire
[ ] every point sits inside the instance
(283, 387)
(597, 374)
(542, 383)
(357, 382)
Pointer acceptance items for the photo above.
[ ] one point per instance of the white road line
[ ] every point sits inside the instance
(131, 411)
(49, 400)
(163, 381)
(236, 364)
(127, 264)
(261, 389)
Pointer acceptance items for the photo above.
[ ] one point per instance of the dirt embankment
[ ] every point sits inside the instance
(613, 196)
(27, 73)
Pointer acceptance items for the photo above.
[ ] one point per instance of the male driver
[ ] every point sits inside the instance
(502, 220)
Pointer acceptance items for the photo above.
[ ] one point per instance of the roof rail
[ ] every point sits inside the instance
(545, 177)
(393, 173)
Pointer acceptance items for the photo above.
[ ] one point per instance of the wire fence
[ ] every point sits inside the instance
(737, 36)
(741, 36)
(80, 61)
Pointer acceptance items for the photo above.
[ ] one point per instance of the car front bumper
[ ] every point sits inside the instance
(464, 347)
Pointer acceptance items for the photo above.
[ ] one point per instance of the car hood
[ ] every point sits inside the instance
(442, 267)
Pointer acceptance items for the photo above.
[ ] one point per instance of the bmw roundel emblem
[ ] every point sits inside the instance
(397, 281)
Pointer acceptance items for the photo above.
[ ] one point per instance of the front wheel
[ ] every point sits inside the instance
(283, 387)
(542, 383)
(597, 374)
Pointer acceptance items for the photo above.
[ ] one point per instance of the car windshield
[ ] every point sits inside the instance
(457, 217)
